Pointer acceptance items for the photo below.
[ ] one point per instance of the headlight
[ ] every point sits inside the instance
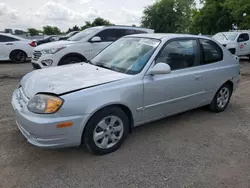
(45, 104)
(52, 50)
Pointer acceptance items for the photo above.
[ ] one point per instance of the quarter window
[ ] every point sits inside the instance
(7, 39)
(211, 51)
(179, 54)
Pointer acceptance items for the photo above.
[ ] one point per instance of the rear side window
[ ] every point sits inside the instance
(7, 39)
(108, 35)
(243, 37)
(123, 32)
(139, 31)
(211, 52)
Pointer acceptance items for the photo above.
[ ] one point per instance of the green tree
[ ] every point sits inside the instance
(213, 17)
(8, 31)
(97, 22)
(240, 11)
(33, 31)
(49, 30)
(168, 16)
(19, 32)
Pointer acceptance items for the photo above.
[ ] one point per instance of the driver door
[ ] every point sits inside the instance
(243, 44)
(182, 89)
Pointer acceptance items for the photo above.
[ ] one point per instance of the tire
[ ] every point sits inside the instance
(106, 131)
(221, 98)
(18, 56)
(70, 60)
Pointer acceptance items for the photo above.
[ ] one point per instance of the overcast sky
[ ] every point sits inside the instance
(23, 14)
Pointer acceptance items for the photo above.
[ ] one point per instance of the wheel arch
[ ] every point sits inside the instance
(17, 50)
(230, 83)
(123, 107)
(72, 55)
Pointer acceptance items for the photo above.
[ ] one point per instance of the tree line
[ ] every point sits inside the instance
(179, 16)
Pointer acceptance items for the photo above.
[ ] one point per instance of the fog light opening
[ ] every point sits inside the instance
(47, 62)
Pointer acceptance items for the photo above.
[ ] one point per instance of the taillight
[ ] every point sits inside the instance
(33, 44)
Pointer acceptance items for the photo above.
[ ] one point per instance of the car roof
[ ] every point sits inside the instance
(167, 36)
(128, 27)
(13, 36)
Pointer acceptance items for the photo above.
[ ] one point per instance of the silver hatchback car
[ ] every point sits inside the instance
(136, 80)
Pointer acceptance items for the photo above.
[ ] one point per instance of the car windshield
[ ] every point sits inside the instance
(225, 36)
(70, 34)
(83, 34)
(127, 55)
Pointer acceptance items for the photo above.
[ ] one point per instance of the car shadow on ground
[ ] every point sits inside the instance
(145, 132)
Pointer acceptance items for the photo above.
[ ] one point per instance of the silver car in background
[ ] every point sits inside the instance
(136, 80)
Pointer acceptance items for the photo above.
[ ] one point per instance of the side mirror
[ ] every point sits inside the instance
(96, 39)
(160, 68)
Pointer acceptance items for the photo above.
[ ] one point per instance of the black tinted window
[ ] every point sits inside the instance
(7, 39)
(243, 37)
(179, 54)
(211, 51)
(108, 35)
(123, 32)
(139, 32)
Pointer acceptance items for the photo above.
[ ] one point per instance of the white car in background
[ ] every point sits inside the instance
(82, 46)
(237, 42)
(15, 48)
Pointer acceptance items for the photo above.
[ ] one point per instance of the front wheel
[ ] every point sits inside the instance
(106, 130)
(221, 98)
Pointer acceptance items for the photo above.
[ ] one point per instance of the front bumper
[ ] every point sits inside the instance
(41, 130)
(36, 66)
(38, 62)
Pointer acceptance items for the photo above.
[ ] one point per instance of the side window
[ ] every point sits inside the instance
(211, 52)
(243, 37)
(7, 39)
(139, 32)
(123, 32)
(108, 35)
(179, 54)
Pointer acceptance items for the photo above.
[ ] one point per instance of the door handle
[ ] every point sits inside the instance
(199, 77)
(9, 44)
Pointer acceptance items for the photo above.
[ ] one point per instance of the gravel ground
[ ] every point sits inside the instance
(197, 149)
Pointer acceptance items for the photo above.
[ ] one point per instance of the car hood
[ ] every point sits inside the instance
(225, 42)
(63, 79)
(56, 44)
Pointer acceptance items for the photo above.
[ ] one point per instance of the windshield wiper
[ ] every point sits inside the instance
(101, 65)
(90, 62)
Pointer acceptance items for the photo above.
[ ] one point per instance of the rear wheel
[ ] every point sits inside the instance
(221, 99)
(70, 60)
(106, 130)
(18, 56)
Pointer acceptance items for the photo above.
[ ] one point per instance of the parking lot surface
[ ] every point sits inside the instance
(196, 149)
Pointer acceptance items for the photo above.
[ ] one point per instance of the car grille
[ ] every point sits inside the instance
(37, 55)
(21, 97)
